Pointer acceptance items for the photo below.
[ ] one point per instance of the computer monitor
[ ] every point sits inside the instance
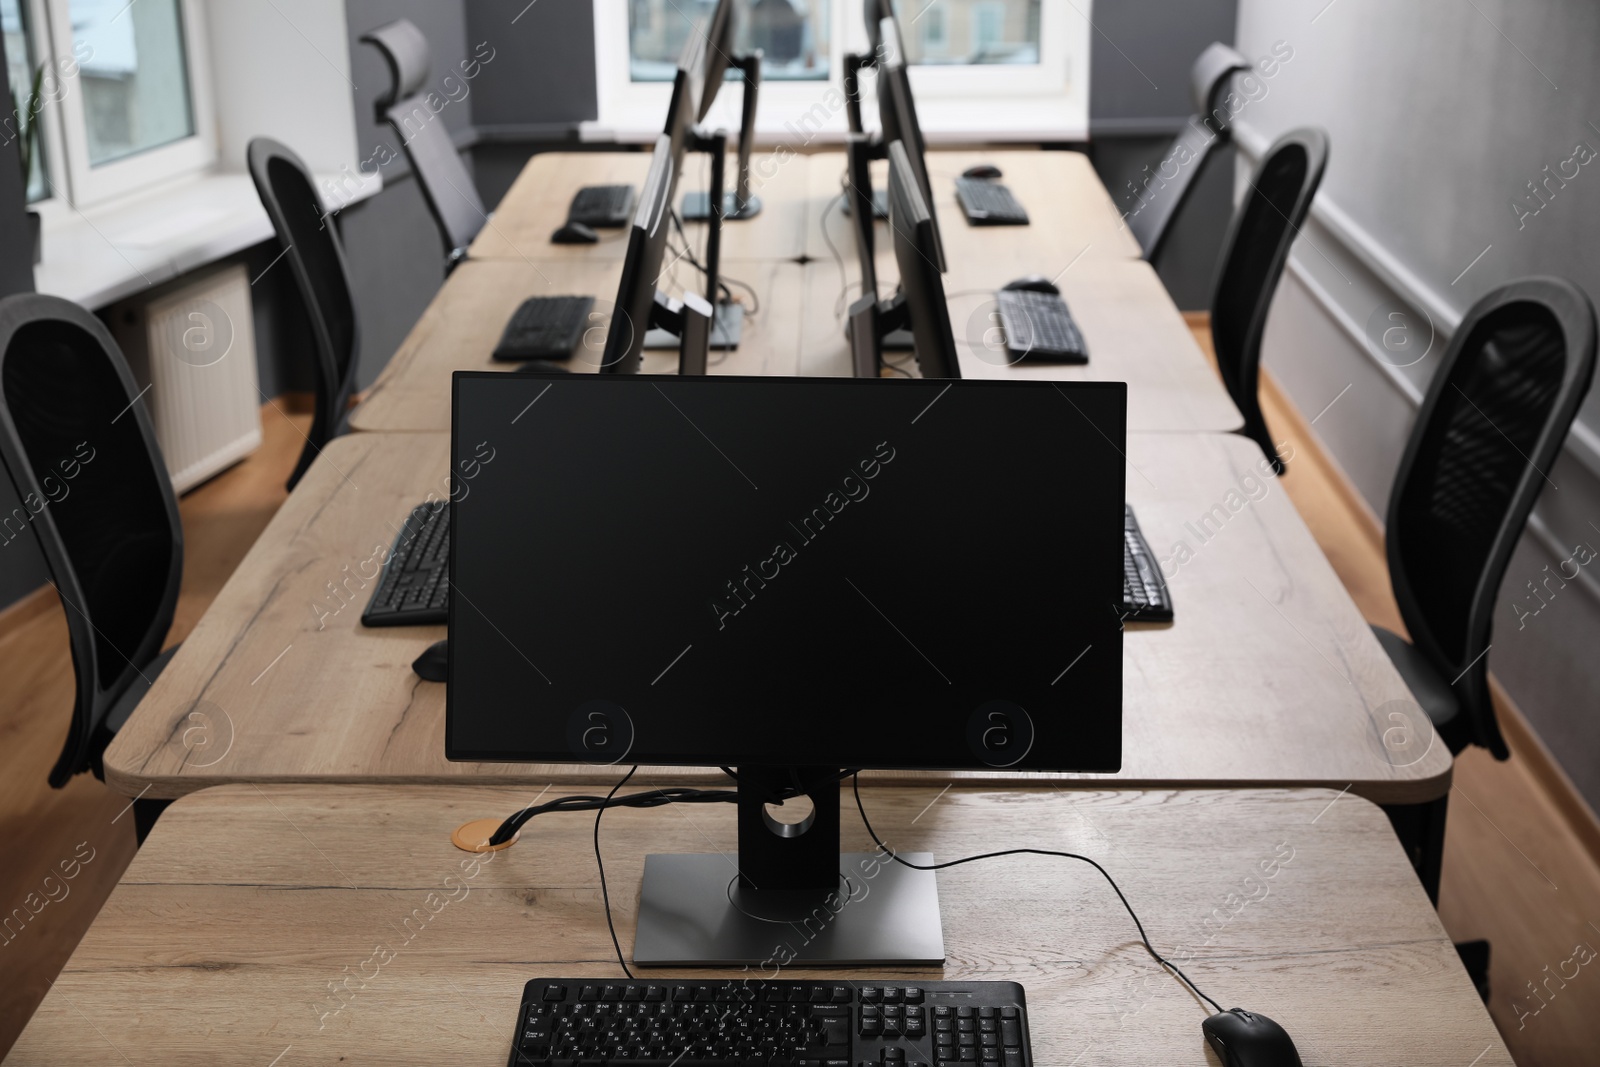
(920, 303)
(873, 13)
(790, 577)
(719, 57)
(897, 112)
(719, 34)
(643, 316)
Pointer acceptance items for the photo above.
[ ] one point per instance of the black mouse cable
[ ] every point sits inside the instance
(650, 798)
(653, 798)
(1158, 957)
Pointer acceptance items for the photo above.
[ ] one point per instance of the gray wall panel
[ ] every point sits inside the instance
(549, 75)
(1139, 94)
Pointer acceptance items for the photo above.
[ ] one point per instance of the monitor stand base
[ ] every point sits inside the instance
(899, 341)
(727, 330)
(694, 207)
(880, 205)
(694, 913)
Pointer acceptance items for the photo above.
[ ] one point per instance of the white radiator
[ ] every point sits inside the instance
(194, 347)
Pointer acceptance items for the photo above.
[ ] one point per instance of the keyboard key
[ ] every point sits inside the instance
(555, 992)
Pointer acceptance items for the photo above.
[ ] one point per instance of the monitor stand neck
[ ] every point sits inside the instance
(689, 321)
(870, 326)
(745, 205)
(791, 898)
(741, 203)
(854, 64)
(728, 317)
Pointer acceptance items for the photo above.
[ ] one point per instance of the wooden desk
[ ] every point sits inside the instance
(463, 323)
(248, 905)
(1269, 676)
(537, 202)
(1134, 333)
(1070, 211)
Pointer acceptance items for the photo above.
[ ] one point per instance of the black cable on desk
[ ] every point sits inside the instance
(855, 786)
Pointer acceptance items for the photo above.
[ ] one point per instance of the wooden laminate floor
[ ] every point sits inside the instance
(1516, 868)
(85, 826)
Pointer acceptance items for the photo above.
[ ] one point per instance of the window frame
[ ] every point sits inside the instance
(72, 183)
(629, 108)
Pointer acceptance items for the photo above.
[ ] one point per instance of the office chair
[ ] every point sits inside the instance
(1493, 421)
(446, 185)
(80, 451)
(316, 258)
(1202, 134)
(1254, 251)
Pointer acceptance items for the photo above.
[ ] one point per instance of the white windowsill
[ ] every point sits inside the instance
(115, 250)
(944, 121)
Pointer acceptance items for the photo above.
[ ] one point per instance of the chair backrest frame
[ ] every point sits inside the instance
(451, 195)
(1255, 250)
(1190, 151)
(99, 681)
(1569, 311)
(281, 178)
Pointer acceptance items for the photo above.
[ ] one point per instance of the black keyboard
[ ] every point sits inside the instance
(414, 589)
(602, 205)
(1039, 326)
(573, 1021)
(1144, 590)
(545, 327)
(988, 203)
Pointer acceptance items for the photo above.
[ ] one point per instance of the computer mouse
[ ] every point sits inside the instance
(982, 170)
(541, 366)
(1035, 283)
(575, 233)
(1247, 1039)
(434, 664)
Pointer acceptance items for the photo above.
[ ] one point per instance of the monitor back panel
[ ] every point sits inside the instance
(861, 573)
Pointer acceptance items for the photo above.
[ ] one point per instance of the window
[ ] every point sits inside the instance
(792, 35)
(135, 83)
(990, 31)
(982, 69)
(931, 34)
(21, 63)
(121, 101)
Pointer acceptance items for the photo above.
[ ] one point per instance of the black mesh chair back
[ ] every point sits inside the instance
(316, 258)
(96, 497)
(446, 185)
(1254, 252)
(1204, 132)
(1492, 423)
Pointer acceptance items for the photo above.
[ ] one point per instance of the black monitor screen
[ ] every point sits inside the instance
(786, 571)
(719, 32)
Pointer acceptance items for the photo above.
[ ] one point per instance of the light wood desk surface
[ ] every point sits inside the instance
(1269, 676)
(463, 323)
(248, 905)
(537, 202)
(1134, 333)
(1069, 210)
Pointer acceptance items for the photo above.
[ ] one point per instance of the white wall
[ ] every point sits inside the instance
(1439, 113)
(282, 70)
